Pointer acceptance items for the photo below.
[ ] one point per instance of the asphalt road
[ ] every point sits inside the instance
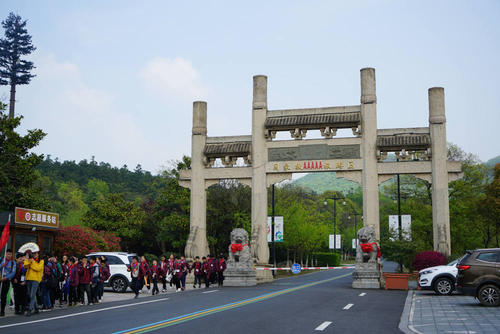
(290, 305)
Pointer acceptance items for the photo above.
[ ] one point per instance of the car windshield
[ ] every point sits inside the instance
(453, 263)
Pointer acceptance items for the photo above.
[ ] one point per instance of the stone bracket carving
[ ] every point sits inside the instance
(404, 155)
(328, 132)
(270, 134)
(356, 131)
(298, 133)
(229, 161)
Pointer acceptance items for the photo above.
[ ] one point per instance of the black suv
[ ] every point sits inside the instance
(479, 275)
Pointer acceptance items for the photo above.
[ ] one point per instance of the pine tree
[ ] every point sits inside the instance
(16, 43)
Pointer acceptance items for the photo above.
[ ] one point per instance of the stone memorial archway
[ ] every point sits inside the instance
(421, 151)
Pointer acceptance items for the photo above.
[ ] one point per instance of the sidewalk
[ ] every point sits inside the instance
(110, 296)
(426, 312)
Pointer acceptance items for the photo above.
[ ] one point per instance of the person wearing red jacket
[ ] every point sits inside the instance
(134, 274)
(84, 277)
(155, 275)
(65, 268)
(74, 282)
(171, 262)
(221, 266)
(205, 272)
(105, 274)
(212, 269)
(177, 272)
(185, 269)
(144, 274)
(197, 271)
(163, 269)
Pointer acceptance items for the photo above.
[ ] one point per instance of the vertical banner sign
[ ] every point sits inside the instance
(338, 241)
(405, 226)
(355, 243)
(278, 229)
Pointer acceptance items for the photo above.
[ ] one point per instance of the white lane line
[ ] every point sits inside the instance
(348, 306)
(81, 313)
(210, 291)
(362, 294)
(323, 326)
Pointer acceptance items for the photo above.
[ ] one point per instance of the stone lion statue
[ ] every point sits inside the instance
(367, 249)
(239, 251)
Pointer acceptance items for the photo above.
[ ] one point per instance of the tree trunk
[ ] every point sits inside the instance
(12, 100)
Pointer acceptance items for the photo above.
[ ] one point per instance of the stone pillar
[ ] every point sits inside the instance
(197, 244)
(369, 150)
(440, 203)
(259, 246)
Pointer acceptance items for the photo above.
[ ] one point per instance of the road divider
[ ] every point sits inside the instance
(305, 268)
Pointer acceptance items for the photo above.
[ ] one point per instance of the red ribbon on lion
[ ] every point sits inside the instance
(368, 248)
(237, 247)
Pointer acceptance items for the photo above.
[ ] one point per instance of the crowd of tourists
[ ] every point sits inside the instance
(43, 283)
(174, 271)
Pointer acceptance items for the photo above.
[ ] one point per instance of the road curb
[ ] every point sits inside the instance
(404, 322)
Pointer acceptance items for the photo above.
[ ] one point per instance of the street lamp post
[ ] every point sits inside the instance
(335, 199)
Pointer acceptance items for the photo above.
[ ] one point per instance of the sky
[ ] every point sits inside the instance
(115, 80)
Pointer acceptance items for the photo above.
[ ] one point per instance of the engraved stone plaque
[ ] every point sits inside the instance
(344, 152)
(283, 154)
(314, 152)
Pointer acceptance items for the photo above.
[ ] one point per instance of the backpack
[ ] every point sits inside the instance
(53, 279)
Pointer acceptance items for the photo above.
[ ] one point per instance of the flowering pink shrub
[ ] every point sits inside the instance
(78, 241)
(428, 259)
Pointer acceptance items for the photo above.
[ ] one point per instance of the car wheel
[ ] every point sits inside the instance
(489, 295)
(443, 286)
(119, 284)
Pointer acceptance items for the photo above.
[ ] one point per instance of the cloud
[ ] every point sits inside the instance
(173, 79)
(82, 121)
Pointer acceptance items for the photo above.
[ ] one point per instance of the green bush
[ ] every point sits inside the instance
(323, 259)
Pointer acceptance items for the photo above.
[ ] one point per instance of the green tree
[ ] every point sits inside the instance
(16, 43)
(115, 214)
(490, 209)
(17, 164)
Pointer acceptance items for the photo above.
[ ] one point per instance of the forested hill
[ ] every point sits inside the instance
(321, 182)
(492, 162)
(118, 180)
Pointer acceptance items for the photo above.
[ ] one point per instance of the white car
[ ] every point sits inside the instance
(118, 262)
(441, 279)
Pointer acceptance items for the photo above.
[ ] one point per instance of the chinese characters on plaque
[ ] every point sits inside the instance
(312, 165)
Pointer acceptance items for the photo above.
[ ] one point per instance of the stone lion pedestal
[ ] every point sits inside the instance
(367, 274)
(239, 271)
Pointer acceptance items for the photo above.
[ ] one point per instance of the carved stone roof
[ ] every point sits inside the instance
(236, 149)
(334, 120)
(407, 141)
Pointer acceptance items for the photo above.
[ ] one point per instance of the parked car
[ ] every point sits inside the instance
(479, 275)
(118, 262)
(441, 279)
